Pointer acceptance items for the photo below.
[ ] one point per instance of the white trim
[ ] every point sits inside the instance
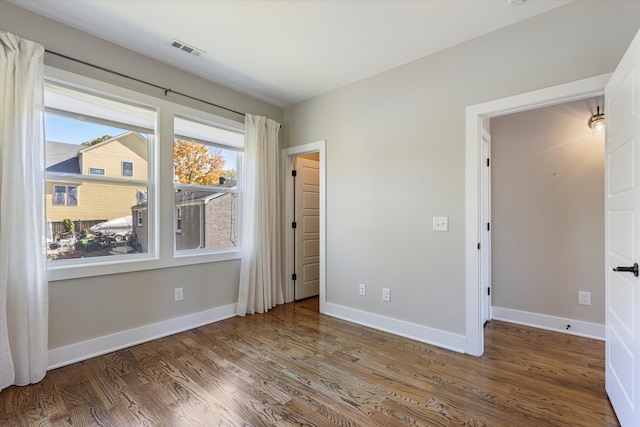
(287, 166)
(436, 337)
(77, 352)
(550, 323)
(581, 89)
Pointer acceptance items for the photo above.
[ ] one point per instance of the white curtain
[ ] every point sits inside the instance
(260, 269)
(23, 270)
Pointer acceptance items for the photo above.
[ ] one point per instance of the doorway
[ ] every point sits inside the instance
(315, 151)
(582, 89)
(306, 229)
(547, 173)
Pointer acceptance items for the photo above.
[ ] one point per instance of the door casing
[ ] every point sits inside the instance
(567, 92)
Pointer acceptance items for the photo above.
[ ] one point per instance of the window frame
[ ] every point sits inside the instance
(160, 178)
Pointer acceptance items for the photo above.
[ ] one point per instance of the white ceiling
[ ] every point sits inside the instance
(287, 51)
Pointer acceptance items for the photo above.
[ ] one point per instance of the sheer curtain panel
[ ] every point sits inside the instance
(260, 269)
(23, 269)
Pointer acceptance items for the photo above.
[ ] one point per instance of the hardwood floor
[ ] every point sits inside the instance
(295, 367)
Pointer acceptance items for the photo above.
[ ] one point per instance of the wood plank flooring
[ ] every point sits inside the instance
(293, 366)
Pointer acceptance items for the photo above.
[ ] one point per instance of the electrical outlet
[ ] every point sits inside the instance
(178, 294)
(386, 294)
(584, 298)
(362, 290)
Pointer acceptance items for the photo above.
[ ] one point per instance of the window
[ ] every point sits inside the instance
(116, 169)
(65, 195)
(127, 169)
(95, 129)
(207, 162)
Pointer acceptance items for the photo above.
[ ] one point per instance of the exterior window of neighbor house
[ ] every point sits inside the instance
(100, 147)
(127, 168)
(65, 195)
(207, 161)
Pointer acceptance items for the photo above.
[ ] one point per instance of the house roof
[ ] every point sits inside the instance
(185, 196)
(120, 138)
(62, 157)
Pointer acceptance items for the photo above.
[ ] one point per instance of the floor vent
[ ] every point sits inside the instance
(185, 47)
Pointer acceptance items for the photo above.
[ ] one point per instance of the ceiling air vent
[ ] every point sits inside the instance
(185, 47)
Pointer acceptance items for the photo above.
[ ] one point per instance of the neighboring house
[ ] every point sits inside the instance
(202, 219)
(123, 156)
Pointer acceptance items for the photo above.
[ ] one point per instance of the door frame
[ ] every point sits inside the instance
(288, 155)
(581, 89)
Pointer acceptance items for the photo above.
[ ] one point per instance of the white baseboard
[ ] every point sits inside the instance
(551, 323)
(77, 352)
(402, 328)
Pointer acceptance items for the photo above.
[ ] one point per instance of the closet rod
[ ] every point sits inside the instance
(166, 90)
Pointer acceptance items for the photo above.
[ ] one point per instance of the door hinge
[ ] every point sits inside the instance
(294, 224)
(294, 173)
(488, 227)
(294, 276)
(488, 162)
(488, 291)
(478, 246)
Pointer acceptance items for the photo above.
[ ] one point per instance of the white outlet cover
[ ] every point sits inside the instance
(440, 223)
(584, 298)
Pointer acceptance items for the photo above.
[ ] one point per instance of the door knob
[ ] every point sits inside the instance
(633, 269)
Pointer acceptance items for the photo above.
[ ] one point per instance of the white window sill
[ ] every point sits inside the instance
(125, 265)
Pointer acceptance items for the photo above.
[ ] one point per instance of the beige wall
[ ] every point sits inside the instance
(397, 140)
(83, 309)
(548, 211)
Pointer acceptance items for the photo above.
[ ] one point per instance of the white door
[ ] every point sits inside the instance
(307, 231)
(622, 228)
(485, 237)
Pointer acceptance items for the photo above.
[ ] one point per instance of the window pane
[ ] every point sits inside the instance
(72, 196)
(99, 226)
(206, 219)
(201, 164)
(59, 195)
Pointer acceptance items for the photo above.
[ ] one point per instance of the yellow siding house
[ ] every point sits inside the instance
(78, 186)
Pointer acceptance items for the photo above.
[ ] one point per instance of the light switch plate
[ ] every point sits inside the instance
(440, 223)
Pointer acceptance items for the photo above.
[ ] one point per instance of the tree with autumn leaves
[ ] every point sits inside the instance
(195, 163)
